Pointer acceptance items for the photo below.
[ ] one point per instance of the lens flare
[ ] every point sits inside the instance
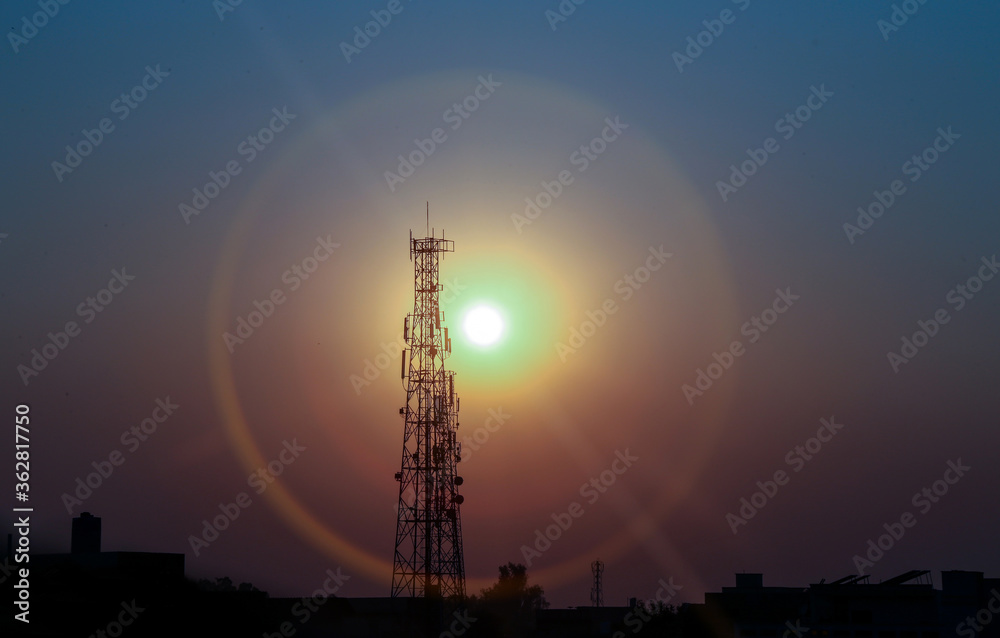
(537, 280)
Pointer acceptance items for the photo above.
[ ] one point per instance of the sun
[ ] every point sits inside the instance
(483, 325)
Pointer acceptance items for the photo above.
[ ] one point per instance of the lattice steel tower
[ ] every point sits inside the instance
(597, 592)
(428, 559)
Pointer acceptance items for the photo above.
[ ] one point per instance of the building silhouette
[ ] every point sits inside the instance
(86, 534)
(906, 606)
(146, 594)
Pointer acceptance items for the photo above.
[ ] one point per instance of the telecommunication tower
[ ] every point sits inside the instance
(597, 592)
(428, 560)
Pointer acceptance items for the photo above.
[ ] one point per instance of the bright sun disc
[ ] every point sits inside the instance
(483, 325)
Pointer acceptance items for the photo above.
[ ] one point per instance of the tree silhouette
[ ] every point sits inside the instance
(507, 608)
(224, 584)
(512, 587)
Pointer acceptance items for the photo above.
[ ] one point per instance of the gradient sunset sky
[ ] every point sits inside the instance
(728, 164)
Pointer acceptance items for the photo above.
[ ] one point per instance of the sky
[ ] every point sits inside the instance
(743, 254)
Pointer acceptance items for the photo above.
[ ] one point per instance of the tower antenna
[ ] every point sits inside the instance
(428, 559)
(597, 592)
